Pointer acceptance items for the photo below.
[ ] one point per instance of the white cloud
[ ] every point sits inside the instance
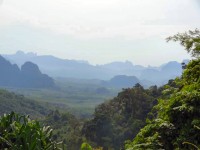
(110, 29)
(9, 15)
(103, 18)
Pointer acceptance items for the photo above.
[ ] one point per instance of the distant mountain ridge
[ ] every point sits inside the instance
(121, 81)
(57, 67)
(29, 76)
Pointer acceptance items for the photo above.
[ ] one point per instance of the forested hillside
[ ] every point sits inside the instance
(66, 128)
(177, 118)
(166, 117)
(114, 121)
(99, 74)
(121, 118)
(19, 104)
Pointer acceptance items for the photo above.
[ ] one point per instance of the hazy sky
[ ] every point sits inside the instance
(99, 31)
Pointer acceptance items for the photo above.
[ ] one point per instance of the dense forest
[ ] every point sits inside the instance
(166, 117)
(176, 122)
(121, 118)
(18, 103)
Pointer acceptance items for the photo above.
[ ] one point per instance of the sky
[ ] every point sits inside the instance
(99, 31)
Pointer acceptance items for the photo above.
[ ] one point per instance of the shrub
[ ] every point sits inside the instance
(20, 133)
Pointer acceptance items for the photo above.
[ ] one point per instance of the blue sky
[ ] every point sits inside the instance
(99, 31)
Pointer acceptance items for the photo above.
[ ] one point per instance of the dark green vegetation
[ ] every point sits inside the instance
(66, 127)
(18, 103)
(120, 118)
(21, 133)
(177, 117)
(29, 76)
(167, 117)
(79, 97)
(114, 121)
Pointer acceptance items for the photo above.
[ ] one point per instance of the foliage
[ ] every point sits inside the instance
(66, 127)
(86, 146)
(77, 98)
(171, 117)
(120, 118)
(177, 115)
(20, 133)
(190, 40)
(18, 103)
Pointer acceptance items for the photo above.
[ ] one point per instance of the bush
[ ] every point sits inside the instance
(20, 133)
(86, 146)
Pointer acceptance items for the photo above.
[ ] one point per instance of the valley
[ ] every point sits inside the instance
(78, 97)
(113, 114)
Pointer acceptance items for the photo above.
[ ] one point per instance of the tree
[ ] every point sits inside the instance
(190, 40)
(119, 119)
(178, 115)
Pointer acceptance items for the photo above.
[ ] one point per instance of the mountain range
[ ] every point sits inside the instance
(57, 67)
(28, 76)
(121, 81)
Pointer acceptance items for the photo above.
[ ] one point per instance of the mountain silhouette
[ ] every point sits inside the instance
(162, 74)
(29, 76)
(79, 69)
(121, 81)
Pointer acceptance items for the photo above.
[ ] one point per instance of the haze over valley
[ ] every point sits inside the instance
(99, 74)
(78, 69)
